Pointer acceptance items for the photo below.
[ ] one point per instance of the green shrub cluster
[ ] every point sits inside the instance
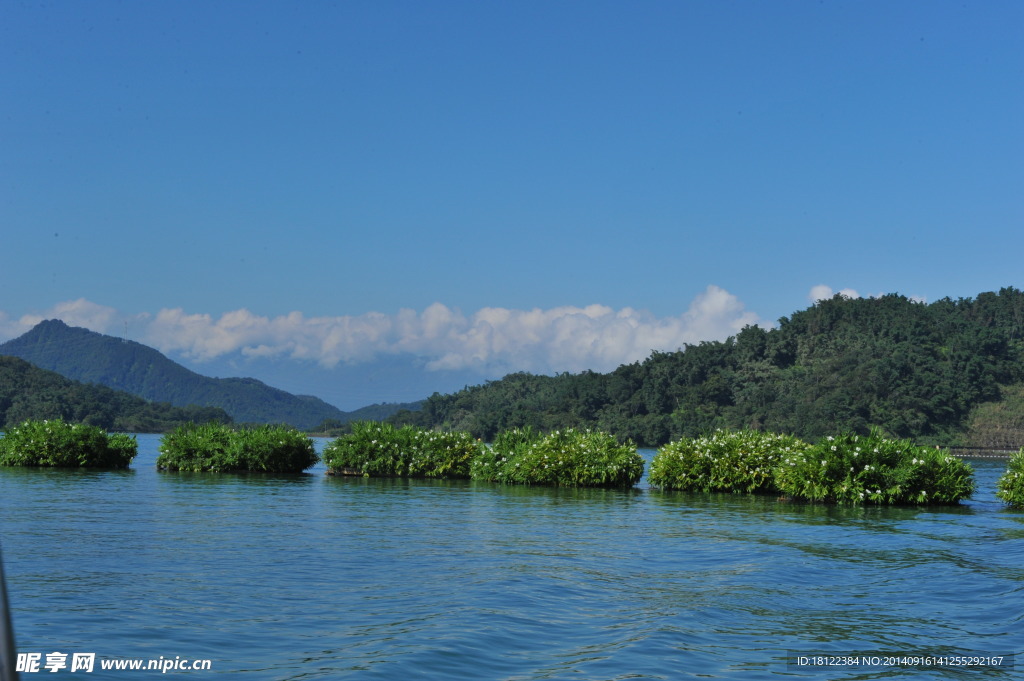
(726, 461)
(382, 450)
(218, 448)
(862, 469)
(570, 457)
(508, 446)
(848, 469)
(66, 445)
(1010, 486)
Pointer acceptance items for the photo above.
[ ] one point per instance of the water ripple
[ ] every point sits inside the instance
(310, 577)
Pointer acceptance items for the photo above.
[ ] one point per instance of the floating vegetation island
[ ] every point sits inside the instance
(844, 469)
(726, 461)
(566, 458)
(380, 450)
(58, 444)
(872, 469)
(1010, 486)
(219, 448)
(848, 469)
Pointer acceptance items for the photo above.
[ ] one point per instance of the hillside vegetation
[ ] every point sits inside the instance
(936, 373)
(30, 393)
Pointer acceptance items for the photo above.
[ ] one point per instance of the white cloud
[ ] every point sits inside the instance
(79, 312)
(492, 340)
(823, 292)
(558, 339)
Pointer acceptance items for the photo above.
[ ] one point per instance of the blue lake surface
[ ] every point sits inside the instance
(315, 577)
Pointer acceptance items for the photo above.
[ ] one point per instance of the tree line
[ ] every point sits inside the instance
(929, 372)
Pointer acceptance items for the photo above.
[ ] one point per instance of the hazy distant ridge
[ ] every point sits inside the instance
(84, 355)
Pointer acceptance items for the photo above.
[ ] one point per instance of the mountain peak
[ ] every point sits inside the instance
(48, 325)
(83, 355)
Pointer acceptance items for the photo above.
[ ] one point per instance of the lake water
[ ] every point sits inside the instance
(314, 577)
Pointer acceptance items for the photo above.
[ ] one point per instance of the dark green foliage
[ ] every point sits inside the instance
(513, 442)
(379, 412)
(196, 447)
(382, 450)
(568, 458)
(28, 392)
(998, 424)
(915, 370)
(65, 445)
(508, 446)
(84, 355)
(273, 449)
(1010, 486)
(726, 461)
(218, 448)
(873, 469)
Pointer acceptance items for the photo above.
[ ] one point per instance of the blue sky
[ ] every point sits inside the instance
(370, 201)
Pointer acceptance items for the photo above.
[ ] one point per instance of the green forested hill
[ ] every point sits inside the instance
(28, 392)
(91, 357)
(372, 412)
(932, 372)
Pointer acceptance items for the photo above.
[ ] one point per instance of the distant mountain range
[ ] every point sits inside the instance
(90, 357)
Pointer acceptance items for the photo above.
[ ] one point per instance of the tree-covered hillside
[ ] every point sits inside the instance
(917, 370)
(90, 357)
(372, 412)
(28, 392)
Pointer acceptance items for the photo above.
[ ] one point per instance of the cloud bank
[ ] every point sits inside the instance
(823, 292)
(489, 340)
(79, 312)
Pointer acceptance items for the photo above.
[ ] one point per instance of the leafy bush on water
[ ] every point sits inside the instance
(1010, 486)
(66, 445)
(381, 450)
(571, 458)
(873, 469)
(726, 461)
(274, 448)
(218, 448)
(508, 447)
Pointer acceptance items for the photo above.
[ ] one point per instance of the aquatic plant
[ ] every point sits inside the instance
(196, 447)
(274, 449)
(381, 450)
(572, 458)
(726, 461)
(1010, 486)
(508, 445)
(219, 448)
(873, 469)
(56, 443)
